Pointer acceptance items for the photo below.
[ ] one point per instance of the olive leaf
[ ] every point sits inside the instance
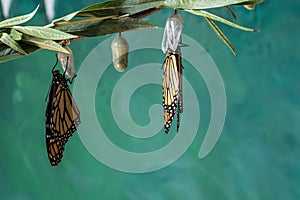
(44, 32)
(17, 20)
(232, 13)
(128, 7)
(16, 35)
(112, 8)
(44, 43)
(95, 7)
(6, 39)
(221, 35)
(201, 4)
(7, 53)
(104, 27)
(220, 19)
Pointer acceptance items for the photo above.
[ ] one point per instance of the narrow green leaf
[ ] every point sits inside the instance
(90, 19)
(64, 18)
(101, 6)
(43, 32)
(44, 43)
(112, 8)
(17, 20)
(137, 2)
(108, 5)
(221, 35)
(201, 4)
(104, 27)
(118, 10)
(14, 34)
(219, 19)
(6, 39)
(231, 12)
(7, 53)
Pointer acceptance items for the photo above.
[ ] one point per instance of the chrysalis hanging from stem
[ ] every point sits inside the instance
(67, 61)
(119, 49)
(172, 33)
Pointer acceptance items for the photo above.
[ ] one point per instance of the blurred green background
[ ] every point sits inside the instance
(257, 156)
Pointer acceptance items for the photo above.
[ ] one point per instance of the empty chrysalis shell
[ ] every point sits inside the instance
(172, 33)
(67, 62)
(119, 49)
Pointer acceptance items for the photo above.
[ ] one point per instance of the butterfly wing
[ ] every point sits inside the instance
(179, 69)
(170, 89)
(180, 100)
(55, 148)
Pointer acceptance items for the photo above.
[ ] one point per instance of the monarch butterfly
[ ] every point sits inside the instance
(62, 116)
(172, 88)
(172, 75)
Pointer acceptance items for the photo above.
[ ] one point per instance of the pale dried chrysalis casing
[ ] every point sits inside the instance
(67, 62)
(119, 49)
(172, 33)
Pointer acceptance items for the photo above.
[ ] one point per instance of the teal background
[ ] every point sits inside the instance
(257, 156)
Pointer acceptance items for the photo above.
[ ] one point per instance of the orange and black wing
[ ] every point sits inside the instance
(170, 88)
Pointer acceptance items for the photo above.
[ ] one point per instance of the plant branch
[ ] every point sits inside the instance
(101, 19)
